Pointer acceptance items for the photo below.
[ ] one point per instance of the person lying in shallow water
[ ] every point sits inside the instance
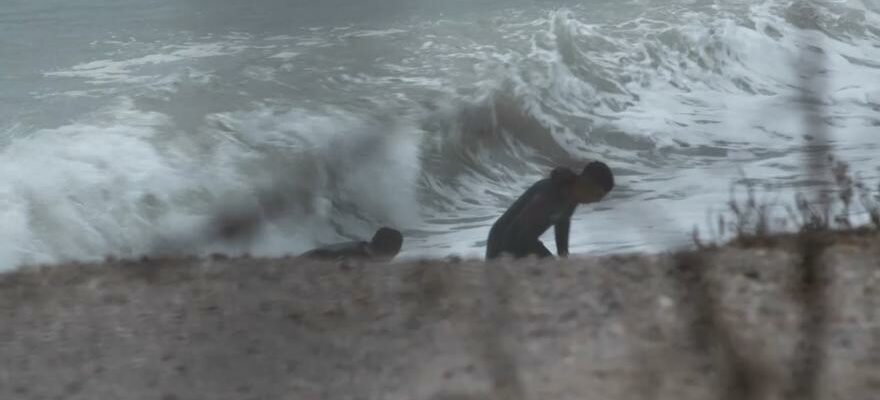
(384, 246)
(549, 202)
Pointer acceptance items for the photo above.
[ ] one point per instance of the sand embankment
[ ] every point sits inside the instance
(727, 323)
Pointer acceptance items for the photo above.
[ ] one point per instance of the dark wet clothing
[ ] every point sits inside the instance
(516, 233)
(338, 251)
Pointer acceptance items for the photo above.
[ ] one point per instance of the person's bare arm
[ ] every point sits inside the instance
(561, 230)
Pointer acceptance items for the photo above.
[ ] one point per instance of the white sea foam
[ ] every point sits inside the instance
(433, 126)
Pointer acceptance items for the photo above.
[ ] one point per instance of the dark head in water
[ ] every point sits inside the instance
(386, 244)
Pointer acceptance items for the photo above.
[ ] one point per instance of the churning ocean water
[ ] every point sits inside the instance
(127, 127)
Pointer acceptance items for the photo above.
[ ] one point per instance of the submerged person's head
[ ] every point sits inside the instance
(386, 243)
(593, 183)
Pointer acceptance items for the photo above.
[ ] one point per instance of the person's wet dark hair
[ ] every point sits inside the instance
(387, 241)
(599, 172)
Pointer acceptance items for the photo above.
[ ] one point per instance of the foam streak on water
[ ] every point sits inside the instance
(137, 142)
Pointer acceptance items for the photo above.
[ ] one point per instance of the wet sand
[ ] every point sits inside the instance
(720, 323)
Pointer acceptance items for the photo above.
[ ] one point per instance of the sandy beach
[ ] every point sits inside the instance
(732, 322)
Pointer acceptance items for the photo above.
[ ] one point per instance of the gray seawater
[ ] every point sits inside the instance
(127, 127)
